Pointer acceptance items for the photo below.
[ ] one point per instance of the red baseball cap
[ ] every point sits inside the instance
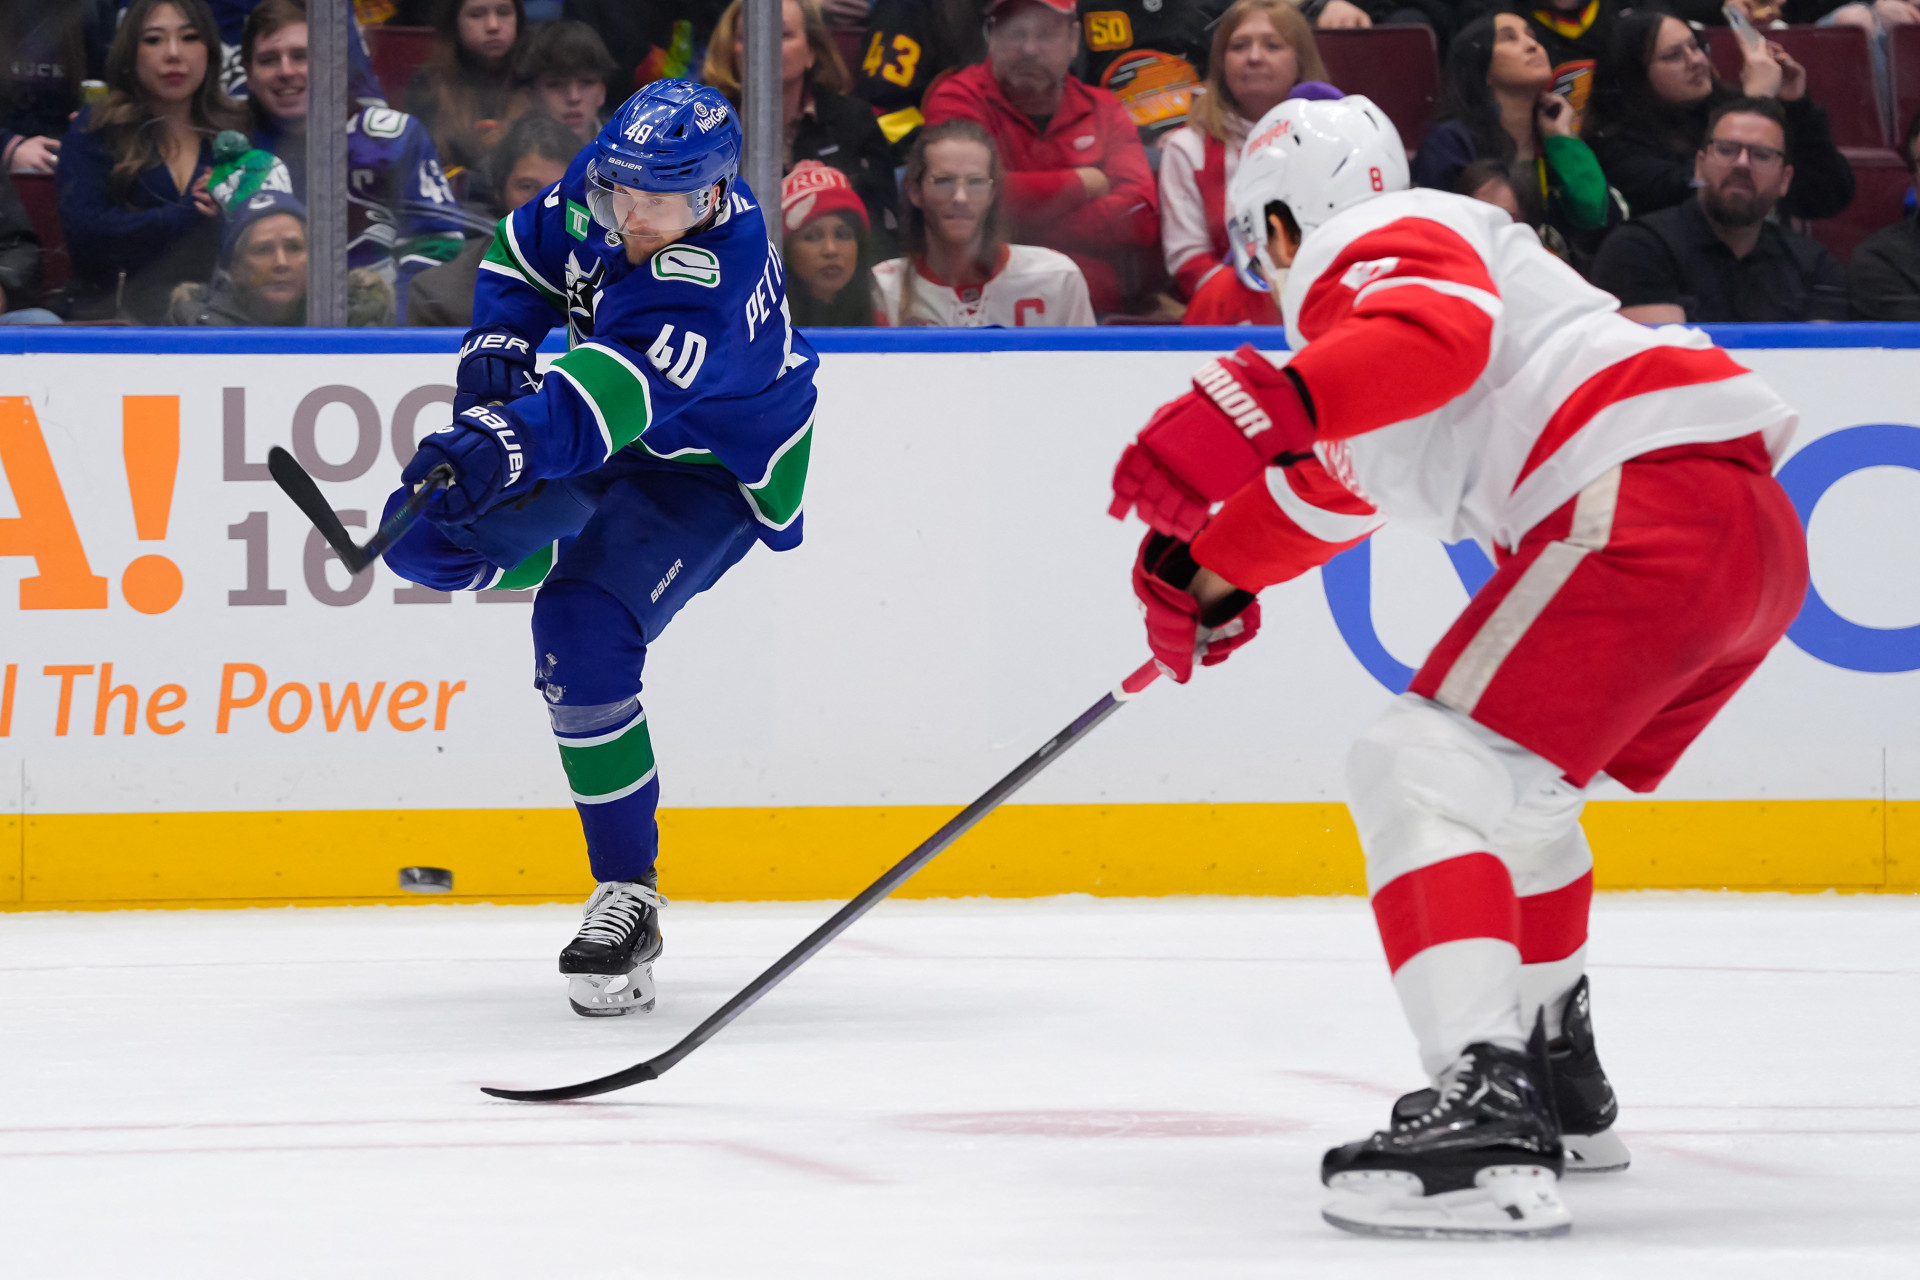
(814, 190)
(1058, 6)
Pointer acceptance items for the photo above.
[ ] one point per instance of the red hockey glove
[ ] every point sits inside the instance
(1178, 631)
(1243, 415)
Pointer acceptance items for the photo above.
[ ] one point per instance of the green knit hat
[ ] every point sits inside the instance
(241, 171)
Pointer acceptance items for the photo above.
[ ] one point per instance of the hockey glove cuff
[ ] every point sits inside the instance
(496, 366)
(1243, 415)
(488, 455)
(1178, 630)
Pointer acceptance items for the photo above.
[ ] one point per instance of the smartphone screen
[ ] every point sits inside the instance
(1742, 28)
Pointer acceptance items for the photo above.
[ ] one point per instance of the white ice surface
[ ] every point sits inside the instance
(1065, 1088)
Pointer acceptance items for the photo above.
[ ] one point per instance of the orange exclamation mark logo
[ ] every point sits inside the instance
(150, 442)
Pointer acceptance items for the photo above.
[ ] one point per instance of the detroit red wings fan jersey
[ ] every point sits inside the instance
(1468, 383)
(1033, 288)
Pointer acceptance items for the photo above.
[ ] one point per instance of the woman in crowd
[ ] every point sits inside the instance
(824, 240)
(958, 270)
(465, 94)
(262, 275)
(1499, 106)
(1262, 51)
(1648, 113)
(532, 157)
(563, 68)
(823, 122)
(132, 179)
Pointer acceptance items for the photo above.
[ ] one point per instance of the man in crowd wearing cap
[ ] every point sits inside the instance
(1077, 178)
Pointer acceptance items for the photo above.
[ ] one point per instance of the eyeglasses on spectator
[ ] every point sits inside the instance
(1729, 150)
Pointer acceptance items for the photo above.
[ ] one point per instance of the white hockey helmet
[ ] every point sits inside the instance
(1317, 157)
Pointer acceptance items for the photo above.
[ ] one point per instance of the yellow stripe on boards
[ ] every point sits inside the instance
(70, 861)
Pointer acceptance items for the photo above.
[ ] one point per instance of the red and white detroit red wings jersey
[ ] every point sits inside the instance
(1468, 383)
(1033, 288)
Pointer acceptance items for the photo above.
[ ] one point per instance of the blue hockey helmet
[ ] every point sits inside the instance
(656, 165)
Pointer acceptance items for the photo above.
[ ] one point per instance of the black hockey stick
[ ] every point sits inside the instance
(298, 485)
(778, 972)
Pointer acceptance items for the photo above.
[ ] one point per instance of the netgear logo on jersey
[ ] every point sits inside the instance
(502, 430)
(1225, 391)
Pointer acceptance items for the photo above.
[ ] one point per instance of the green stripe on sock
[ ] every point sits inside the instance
(608, 769)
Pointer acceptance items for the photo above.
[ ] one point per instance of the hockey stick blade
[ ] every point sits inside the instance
(298, 485)
(776, 973)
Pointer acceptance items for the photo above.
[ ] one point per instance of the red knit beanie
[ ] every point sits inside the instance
(814, 190)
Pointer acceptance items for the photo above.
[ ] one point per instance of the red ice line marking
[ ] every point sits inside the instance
(1328, 1077)
(1099, 1124)
(802, 1164)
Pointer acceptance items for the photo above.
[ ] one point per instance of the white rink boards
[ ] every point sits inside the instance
(1061, 1088)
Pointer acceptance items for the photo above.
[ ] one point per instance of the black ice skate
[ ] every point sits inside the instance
(609, 963)
(1480, 1164)
(1582, 1097)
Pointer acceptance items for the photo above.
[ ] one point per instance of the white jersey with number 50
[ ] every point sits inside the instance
(1032, 288)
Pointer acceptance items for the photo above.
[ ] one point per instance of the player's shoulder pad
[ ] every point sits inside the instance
(690, 263)
(381, 122)
(1470, 220)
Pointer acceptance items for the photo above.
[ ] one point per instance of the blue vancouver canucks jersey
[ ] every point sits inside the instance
(690, 356)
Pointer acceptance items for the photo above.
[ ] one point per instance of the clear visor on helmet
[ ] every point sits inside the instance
(631, 211)
(1248, 257)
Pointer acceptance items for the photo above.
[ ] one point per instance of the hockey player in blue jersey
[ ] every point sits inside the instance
(672, 435)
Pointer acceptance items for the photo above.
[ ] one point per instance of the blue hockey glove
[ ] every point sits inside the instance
(488, 456)
(496, 366)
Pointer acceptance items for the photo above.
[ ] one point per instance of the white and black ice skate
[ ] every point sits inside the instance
(1481, 1163)
(1583, 1098)
(609, 963)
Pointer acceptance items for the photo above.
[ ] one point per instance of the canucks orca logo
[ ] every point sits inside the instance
(582, 284)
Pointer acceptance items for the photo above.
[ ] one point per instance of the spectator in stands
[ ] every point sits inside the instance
(1262, 49)
(19, 262)
(1077, 178)
(823, 122)
(824, 239)
(465, 93)
(1719, 257)
(1185, 29)
(1492, 182)
(1883, 276)
(958, 270)
(261, 278)
(648, 39)
(402, 217)
(1499, 105)
(908, 45)
(132, 179)
(563, 67)
(45, 52)
(532, 157)
(1348, 15)
(1651, 101)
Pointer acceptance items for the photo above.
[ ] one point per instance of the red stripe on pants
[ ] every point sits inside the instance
(1553, 925)
(1466, 897)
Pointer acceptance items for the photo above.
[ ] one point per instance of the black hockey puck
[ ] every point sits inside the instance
(426, 879)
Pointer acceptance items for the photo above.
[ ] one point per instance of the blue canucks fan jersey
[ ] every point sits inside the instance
(401, 214)
(690, 356)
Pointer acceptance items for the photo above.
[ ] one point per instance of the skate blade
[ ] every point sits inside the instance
(608, 995)
(1506, 1202)
(1601, 1152)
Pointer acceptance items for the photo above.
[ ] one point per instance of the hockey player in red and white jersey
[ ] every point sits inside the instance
(1451, 374)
